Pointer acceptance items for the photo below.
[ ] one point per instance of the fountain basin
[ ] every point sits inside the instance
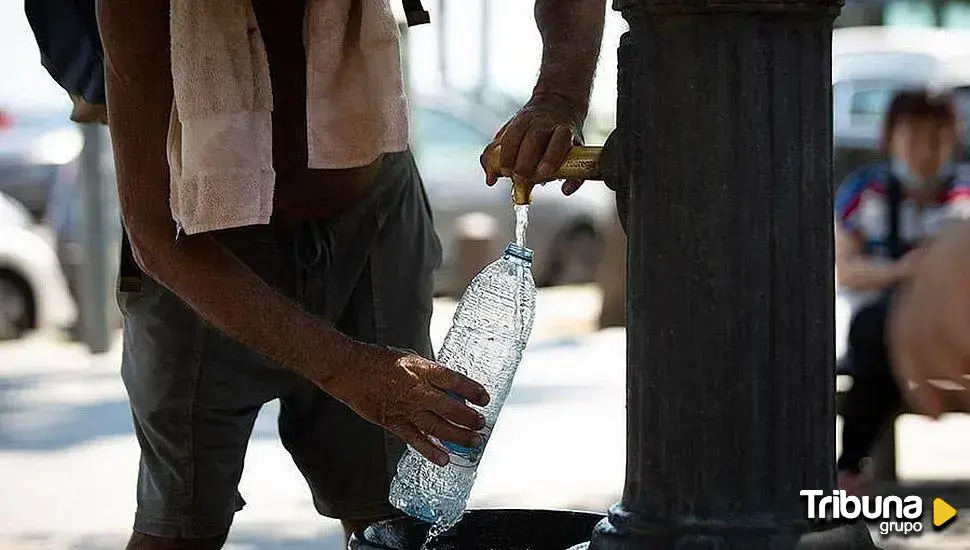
(498, 529)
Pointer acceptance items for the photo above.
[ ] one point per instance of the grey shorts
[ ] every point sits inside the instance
(195, 393)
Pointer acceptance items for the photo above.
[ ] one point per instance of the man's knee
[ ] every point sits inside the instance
(141, 541)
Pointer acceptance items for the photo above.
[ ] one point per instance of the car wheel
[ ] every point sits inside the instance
(15, 307)
(577, 256)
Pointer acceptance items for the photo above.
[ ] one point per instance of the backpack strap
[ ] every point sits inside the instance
(415, 13)
(947, 185)
(894, 192)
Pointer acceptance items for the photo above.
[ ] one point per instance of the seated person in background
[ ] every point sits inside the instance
(884, 212)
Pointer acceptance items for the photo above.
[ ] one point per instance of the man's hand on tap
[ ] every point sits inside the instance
(534, 143)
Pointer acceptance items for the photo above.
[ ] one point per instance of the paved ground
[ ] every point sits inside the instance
(68, 458)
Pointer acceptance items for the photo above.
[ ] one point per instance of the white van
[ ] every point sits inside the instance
(869, 64)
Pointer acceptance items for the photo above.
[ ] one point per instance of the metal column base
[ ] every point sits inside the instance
(621, 532)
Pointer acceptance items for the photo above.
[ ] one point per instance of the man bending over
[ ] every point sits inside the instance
(316, 291)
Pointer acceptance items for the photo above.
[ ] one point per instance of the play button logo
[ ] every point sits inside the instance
(943, 513)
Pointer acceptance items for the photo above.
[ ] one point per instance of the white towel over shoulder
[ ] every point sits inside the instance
(220, 136)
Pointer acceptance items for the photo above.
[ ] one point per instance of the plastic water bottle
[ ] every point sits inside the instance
(489, 332)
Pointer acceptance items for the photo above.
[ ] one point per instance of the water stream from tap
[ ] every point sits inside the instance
(521, 214)
(433, 533)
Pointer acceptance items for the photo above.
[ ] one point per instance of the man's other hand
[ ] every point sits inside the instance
(534, 143)
(929, 325)
(406, 395)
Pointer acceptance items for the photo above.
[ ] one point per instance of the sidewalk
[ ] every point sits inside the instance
(68, 458)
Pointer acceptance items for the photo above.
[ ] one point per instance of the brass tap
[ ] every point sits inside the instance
(582, 163)
(522, 192)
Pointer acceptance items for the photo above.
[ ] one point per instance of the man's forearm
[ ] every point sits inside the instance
(197, 268)
(226, 293)
(572, 33)
(861, 274)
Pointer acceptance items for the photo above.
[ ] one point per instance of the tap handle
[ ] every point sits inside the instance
(581, 163)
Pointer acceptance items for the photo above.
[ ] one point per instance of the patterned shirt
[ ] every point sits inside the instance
(862, 207)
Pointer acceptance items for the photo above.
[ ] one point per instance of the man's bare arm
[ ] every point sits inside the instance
(572, 33)
(195, 267)
(856, 271)
(535, 142)
(404, 394)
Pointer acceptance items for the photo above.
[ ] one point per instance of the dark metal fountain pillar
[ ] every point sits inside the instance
(725, 127)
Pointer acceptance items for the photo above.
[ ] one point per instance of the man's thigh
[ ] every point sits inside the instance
(402, 263)
(194, 394)
(348, 461)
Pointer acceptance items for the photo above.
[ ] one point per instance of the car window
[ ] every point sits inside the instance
(870, 102)
(905, 13)
(869, 99)
(438, 130)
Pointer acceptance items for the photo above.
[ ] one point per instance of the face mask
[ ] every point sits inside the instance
(911, 181)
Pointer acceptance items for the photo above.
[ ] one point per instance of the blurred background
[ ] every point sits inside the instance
(68, 456)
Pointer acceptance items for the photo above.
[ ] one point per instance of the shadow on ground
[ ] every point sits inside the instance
(264, 540)
(556, 343)
(45, 425)
(538, 395)
(239, 539)
(598, 503)
(52, 426)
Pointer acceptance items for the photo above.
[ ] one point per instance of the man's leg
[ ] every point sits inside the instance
(378, 287)
(194, 396)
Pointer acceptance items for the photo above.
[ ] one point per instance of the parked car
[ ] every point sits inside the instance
(449, 133)
(33, 292)
(39, 145)
(870, 64)
(38, 149)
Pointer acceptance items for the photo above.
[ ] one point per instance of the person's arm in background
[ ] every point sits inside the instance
(536, 140)
(402, 393)
(854, 270)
